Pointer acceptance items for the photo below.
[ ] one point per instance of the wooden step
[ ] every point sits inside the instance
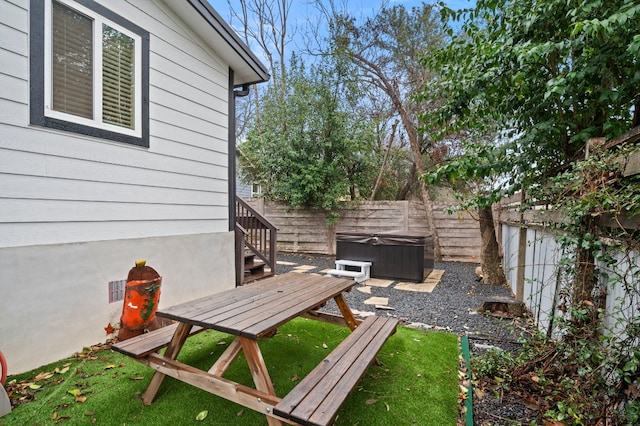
(249, 257)
(258, 276)
(255, 266)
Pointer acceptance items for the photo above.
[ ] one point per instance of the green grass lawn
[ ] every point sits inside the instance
(417, 382)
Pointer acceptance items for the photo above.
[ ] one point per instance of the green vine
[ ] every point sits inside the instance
(590, 375)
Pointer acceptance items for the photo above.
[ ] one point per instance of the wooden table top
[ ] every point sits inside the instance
(256, 309)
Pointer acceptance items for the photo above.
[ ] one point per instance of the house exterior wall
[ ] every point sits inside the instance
(55, 297)
(77, 211)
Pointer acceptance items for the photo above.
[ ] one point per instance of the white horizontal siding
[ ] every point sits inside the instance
(189, 137)
(14, 39)
(13, 112)
(27, 210)
(14, 62)
(46, 166)
(93, 191)
(180, 116)
(14, 89)
(58, 187)
(191, 90)
(30, 234)
(173, 62)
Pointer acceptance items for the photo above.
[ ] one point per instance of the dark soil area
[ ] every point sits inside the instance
(452, 306)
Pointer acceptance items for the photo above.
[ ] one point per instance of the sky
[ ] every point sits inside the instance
(301, 8)
(302, 11)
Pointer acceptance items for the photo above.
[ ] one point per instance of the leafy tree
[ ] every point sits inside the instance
(308, 148)
(550, 74)
(544, 75)
(531, 81)
(385, 50)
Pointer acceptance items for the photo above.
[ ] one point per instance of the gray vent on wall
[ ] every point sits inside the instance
(116, 290)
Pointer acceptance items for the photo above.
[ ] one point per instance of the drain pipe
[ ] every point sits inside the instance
(244, 91)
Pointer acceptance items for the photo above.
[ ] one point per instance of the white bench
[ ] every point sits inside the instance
(362, 275)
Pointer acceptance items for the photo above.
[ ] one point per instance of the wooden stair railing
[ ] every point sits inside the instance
(255, 244)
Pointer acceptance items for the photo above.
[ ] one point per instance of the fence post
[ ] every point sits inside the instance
(522, 253)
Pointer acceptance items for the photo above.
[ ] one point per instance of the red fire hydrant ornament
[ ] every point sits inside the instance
(141, 297)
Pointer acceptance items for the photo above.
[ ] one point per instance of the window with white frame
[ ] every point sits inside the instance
(91, 71)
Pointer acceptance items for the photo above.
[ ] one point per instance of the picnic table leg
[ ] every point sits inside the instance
(179, 337)
(259, 372)
(346, 311)
(227, 357)
(349, 318)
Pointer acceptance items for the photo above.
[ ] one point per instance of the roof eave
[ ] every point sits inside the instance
(219, 35)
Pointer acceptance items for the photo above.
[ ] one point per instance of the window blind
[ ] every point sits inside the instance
(118, 78)
(72, 62)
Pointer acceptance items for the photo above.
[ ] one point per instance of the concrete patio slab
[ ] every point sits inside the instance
(304, 268)
(377, 282)
(427, 286)
(377, 301)
(366, 289)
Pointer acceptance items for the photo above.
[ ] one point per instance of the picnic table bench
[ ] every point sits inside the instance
(317, 398)
(255, 311)
(144, 344)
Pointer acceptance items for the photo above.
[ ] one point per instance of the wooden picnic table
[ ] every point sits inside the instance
(255, 311)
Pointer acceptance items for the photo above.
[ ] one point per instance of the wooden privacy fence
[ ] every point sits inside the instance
(531, 257)
(306, 231)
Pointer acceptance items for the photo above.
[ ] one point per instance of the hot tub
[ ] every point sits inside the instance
(396, 256)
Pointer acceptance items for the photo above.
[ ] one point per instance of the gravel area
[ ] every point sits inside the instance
(451, 306)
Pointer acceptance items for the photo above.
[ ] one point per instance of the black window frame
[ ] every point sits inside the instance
(37, 76)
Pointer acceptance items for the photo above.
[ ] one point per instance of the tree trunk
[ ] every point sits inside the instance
(404, 191)
(428, 206)
(374, 191)
(490, 262)
(585, 280)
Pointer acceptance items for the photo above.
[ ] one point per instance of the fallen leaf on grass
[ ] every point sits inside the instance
(42, 376)
(371, 401)
(81, 398)
(387, 406)
(61, 370)
(137, 378)
(324, 345)
(295, 378)
(34, 386)
(109, 367)
(75, 392)
(239, 413)
(202, 415)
